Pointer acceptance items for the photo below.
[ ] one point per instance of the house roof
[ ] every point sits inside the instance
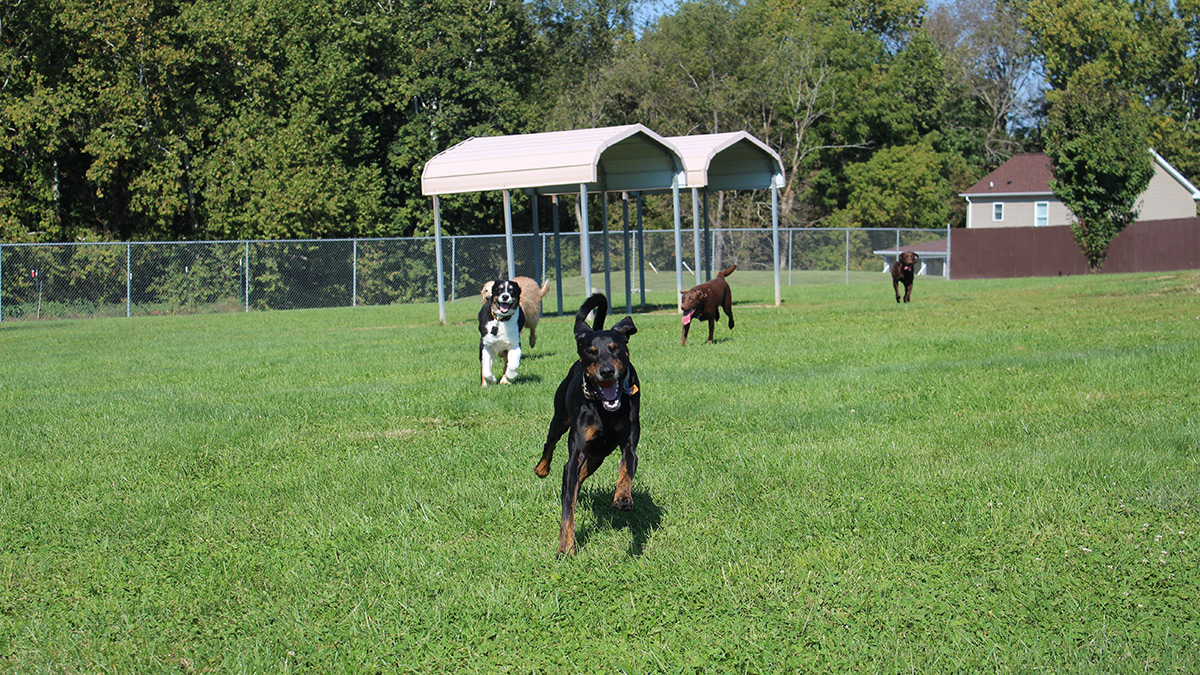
(1029, 174)
(629, 157)
(1024, 174)
(729, 161)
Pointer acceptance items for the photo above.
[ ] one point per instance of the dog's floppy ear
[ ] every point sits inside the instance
(625, 327)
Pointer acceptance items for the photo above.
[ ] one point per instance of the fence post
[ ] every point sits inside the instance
(1, 282)
(847, 255)
(354, 283)
(128, 275)
(947, 251)
(246, 273)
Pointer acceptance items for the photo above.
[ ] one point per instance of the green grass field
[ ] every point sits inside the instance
(1001, 476)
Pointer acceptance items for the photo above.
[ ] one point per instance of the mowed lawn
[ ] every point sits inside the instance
(1000, 476)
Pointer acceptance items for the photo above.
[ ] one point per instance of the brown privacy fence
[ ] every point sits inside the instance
(1147, 246)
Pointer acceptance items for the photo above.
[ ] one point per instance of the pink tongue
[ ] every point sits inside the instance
(687, 318)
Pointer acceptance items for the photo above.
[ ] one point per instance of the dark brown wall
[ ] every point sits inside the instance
(1148, 246)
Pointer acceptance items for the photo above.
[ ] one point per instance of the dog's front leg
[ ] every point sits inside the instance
(907, 292)
(512, 362)
(623, 497)
(896, 287)
(485, 364)
(573, 474)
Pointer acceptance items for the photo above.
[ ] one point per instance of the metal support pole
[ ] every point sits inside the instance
(947, 271)
(557, 253)
(775, 242)
(628, 265)
(437, 252)
(537, 259)
(508, 235)
(607, 262)
(354, 283)
(1, 282)
(585, 247)
(708, 243)
(696, 243)
(128, 277)
(678, 249)
(641, 247)
(847, 255)
(246, 278)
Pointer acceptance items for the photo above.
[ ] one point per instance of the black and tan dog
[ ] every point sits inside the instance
(500, 323)
(599, 403)
(701, 303)
(902, 273)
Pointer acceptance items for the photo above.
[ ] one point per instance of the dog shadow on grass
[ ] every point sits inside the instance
(644, 519)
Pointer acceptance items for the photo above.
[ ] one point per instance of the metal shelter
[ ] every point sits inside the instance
(629, 158)
(729, 161)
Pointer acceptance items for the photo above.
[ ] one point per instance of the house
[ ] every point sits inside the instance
(1017, 194)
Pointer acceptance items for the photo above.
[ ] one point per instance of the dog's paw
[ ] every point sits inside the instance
(542, 469)
(505, 380)
(623, 503)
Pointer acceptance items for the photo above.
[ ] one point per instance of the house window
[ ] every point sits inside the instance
(997, 212)
(1041, 214)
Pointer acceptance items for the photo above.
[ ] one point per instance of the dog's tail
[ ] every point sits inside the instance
(727, 271)
(545, 287)
(596, 302)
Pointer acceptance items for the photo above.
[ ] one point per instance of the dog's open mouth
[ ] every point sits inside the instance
(687, 318)
(610, 394)
(503, 307)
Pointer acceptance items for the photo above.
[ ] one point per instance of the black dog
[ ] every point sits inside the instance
(600, 404)
(902, 273)
(500, 322)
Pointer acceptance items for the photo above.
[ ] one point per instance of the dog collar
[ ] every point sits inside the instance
(627, 389)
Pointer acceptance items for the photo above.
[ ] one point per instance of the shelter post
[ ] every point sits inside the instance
(539, 247)
(557, 252)
(607, 263)
(508, 235)
(641, 249)
(708, 249)
(585, 248)
(775, 241)
(437, 253)
(678, 250)
(628, 266)
(696, 242)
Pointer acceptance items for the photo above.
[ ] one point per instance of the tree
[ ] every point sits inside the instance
(1096, 140)
(902, 186)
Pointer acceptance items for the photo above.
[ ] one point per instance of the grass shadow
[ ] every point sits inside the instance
(644, 519)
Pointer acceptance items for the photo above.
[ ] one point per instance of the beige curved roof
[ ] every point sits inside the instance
(730, 161)
(630, 157)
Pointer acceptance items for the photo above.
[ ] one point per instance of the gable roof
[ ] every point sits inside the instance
(1029, 174)
(1024, 174)
(729, 161)
(629, 157)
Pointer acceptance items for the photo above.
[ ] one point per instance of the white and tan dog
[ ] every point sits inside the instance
(500, 323)
(531, 302)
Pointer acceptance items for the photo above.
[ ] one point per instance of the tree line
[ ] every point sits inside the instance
(247, 119)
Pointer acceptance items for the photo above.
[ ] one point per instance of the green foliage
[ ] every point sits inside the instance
(901, 187)
(1096, 140)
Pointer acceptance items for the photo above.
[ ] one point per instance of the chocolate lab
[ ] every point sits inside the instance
(599, 403)
(902, 273)
(701, 302)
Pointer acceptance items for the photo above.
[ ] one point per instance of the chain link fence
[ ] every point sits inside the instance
(83, 280)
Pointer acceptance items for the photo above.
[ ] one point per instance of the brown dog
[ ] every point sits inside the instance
(701, 302)
(902, 273)
(531, 302)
